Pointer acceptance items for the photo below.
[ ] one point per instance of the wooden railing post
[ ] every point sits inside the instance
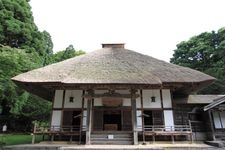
(33, 134)
(190, 127)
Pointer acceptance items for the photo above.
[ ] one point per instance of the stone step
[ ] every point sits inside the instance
(112, 138)
(115, 142)
(115, 136)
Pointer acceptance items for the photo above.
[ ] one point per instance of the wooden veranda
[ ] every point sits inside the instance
(153, 131)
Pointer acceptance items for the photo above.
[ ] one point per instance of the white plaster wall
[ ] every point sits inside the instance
(56, 118)
(147, 94)
(167, 103)
(168, 118)
(84, 119)
(139, 120)
(77, 102)
(217, 122)
(58, 99)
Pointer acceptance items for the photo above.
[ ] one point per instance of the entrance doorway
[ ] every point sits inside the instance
(108, 119)
(112, 120)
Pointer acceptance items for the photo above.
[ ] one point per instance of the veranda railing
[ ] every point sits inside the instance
(162, 130)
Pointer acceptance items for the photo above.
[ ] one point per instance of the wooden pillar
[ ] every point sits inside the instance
(211, 125)
(142, 116)
(81, 119)
(134, 116)
(89, 119)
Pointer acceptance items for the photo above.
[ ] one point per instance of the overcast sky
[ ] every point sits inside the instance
(151, 27)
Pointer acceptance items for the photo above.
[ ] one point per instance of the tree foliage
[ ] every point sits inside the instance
(18, 29)
(22, 48)
(69, 52)
(12, 62)
(204, 52)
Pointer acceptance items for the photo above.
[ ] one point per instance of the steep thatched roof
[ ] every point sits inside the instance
(112, 66)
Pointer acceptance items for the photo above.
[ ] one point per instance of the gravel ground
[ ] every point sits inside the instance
(148, 146)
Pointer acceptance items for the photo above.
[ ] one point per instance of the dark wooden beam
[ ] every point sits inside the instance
(110, 95)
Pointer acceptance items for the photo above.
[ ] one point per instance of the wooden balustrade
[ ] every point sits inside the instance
(161, 130)
(148, 130)
(56, 131)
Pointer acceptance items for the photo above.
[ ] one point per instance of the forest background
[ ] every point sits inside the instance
(23, 47)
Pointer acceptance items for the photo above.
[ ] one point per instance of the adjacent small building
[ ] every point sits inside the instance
(117, 96)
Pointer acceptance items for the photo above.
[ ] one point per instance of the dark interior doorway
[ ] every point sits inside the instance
(112, 120)
(72, 118)
(153, 117)
(148, 117)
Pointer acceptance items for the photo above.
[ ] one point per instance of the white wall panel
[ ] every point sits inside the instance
(168, 118)
(77, 101)
(147, 103)
(56, 118)
(167, 103)
(58, 99)
(139, 120)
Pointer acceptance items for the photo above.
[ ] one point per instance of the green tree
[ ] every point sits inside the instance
(22, 48)
(204, 52)
(69, 52)
(17, 104)
(18, 30)
(12, 62)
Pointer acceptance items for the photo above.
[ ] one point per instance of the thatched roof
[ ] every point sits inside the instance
(113, 66)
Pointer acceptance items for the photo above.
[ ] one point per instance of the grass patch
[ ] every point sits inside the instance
(15, 139)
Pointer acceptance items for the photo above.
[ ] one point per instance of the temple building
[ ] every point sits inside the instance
(117, 96)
